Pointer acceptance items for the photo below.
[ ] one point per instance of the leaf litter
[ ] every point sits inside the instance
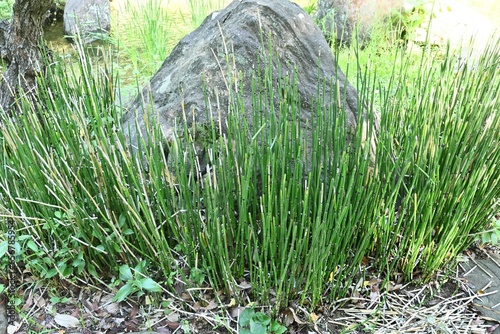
(372, 307)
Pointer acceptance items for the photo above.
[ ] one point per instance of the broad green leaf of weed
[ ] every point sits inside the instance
(79, 263)
(494, 238)
(51, 273)
(32, 245)
(3, 248)
(125, 273)
(257, 327)
(262, 318)
(150, 285)
(124, 292)
(246, 316)
(277, 328)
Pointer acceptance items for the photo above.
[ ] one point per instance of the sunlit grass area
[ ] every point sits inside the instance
(489, 8)
(146, 31)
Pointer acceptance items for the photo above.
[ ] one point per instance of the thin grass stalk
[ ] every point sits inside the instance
(84, 151)
(150, 22)
(439, 129)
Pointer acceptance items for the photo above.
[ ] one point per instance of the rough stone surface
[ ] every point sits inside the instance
(91, 19)
(483, 277)
(199, 60)
(339, 19)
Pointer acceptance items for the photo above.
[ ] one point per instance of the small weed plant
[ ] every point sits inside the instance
(252, 322)
(135, 282)
(492, 235)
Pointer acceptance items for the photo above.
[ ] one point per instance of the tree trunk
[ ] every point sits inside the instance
(23, 52)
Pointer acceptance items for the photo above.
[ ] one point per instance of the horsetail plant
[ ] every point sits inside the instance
(296, 222)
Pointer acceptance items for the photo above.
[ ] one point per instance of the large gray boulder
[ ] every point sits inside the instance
(91, 19)
(227, 45)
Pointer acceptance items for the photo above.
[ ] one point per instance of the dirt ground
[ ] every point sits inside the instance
(372, 307)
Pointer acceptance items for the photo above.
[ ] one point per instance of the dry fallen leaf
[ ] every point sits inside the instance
(67, 321)
(394, 287)
(211, 305)
(40, 301)
(96, 297)
(371, 282)
(374, 295)
(244, 285)
(232, 302)
(236, 311)
(173, 325)
(112, 307)
(149, 300)
(287, 317)
(90, 306)
(134, 311)
(297, 320)
(492, 328)
(11, 329)
(173, 317)
(333, 273)
(314, 317)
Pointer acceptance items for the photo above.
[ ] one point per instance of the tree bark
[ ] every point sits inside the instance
(23, 52)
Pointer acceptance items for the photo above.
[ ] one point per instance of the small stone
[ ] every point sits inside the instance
(91, 19)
